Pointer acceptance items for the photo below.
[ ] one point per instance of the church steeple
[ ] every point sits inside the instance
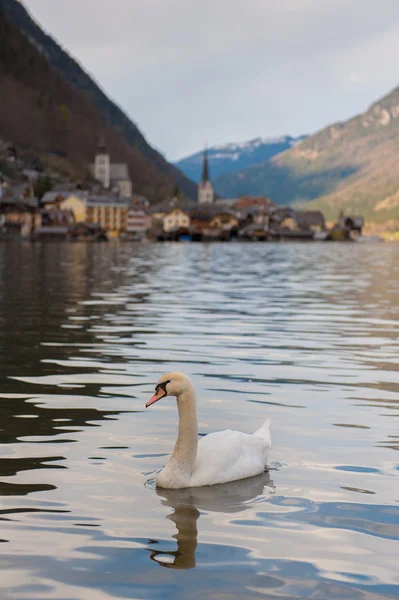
(205, 167)
(205, 189)
(102, 164)
(102, 146)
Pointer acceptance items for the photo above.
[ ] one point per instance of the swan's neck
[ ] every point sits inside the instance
(185, 450)
(185, 518)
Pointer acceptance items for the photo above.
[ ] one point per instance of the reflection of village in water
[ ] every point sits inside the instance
(104, 207)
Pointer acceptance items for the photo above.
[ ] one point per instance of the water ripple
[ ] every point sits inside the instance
(305, 333)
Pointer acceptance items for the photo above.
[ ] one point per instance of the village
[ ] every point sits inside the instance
(105, 207)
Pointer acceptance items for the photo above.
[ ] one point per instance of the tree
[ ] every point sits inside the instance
(43, 185)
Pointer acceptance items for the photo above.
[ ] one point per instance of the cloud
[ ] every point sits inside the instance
(356, 78)
(193, 70)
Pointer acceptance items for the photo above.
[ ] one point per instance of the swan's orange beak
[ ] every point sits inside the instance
(157, 396)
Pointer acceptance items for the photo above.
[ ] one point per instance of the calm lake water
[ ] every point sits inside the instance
(305, 333)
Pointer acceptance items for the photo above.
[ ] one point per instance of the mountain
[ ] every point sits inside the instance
(350, 166)
(228, 158)
(49, 87)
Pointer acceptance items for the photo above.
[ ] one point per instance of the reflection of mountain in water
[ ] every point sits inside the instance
(14, 424)
(43, 294)
(187, 503)
(44, 318)
(19, 420)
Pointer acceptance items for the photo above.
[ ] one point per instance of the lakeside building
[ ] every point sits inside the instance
(115, 214)
(107, 210)
(87, 211)
(19, 215)
(113, 176)
(138, 221)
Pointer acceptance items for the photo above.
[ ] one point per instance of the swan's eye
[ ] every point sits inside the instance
(162, 386)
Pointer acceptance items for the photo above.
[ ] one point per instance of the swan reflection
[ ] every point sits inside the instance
(187, 503)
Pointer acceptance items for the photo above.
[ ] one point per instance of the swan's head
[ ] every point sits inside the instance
(171, 384)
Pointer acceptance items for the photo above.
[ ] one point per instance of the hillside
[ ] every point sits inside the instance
(350, 166)
(231, 157)
(50, 104)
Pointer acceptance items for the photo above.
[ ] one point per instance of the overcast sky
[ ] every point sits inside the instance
(195, 71)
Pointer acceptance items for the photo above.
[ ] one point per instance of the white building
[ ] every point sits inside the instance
(137, 220)
(113, 176)
(205, 189)
(176, 219)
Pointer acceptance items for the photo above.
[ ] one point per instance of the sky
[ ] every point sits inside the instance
(196, 72)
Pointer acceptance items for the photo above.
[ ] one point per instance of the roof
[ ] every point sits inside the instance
(138, 208)
(204, 212)
(140, 200)
(356, 220)
(254, 210)
(81, 195)
(107, 199)
(20, 203)
(118, 171)
(14, 191)
(52, 197)
(310, 217)
(168, 205)
(31, 174)
(56, 212)
(201, 212)
(65, 186)
(226, 202)
(250, 202)
(280, 214)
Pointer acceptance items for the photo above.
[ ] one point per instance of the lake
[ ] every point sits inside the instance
(307, 334)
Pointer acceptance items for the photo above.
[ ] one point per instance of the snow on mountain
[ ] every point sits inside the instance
(255, 143)
(234, 156)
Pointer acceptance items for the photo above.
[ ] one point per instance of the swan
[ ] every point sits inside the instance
(218, 457)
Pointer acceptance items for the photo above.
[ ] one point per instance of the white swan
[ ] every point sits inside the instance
(218, 457)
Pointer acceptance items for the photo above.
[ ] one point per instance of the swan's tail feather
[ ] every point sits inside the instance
(264, 431)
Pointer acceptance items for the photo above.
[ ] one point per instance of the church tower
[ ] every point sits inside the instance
(102, 164)
(205, 189)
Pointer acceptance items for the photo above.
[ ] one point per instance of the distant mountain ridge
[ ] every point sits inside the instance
(112, 115)
(350, 166)
(234, 156)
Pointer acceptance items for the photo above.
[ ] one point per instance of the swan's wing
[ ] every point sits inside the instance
(264, 432)
(229, 456)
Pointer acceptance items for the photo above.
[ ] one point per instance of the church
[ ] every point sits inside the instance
(113, 176)
(205, 189)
